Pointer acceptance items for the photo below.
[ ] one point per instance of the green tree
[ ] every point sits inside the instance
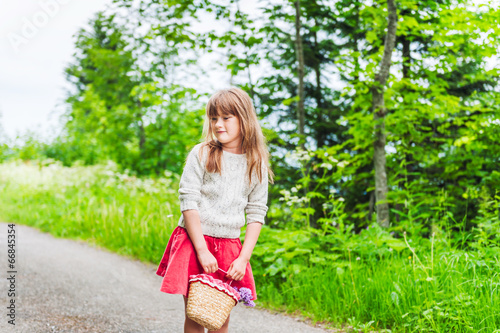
(122, 109)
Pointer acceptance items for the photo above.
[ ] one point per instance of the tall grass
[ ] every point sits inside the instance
(367, 281)
(461, 296)
(122, 213)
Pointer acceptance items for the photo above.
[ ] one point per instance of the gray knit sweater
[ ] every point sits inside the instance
(222, 200)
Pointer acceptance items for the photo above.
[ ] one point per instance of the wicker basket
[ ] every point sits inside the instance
(210, 301)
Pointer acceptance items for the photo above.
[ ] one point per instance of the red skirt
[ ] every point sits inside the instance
(180, 261)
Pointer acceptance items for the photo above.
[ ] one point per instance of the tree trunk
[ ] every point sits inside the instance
(141, 132)
(406, 69)
(370, 206)
(320, 137)
(406, 56)
(379, 112)
(300, 72)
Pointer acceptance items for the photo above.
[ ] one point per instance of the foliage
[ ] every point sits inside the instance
(374, 280)
(98, 204)
(119, 113)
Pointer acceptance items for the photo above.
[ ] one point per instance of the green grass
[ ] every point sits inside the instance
(127, 215)
(370, 281)
(365, 283)
(462, 295)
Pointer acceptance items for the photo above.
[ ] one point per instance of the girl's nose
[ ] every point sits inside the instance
(219, 123)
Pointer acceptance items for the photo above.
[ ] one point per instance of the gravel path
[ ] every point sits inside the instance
(69, 286)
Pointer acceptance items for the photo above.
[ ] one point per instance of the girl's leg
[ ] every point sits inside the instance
(191, 326)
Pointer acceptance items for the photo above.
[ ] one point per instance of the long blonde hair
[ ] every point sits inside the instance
(236, 102)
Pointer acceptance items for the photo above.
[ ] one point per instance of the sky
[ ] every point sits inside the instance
(36, 43)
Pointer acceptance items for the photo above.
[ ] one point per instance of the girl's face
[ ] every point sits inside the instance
(227, 130)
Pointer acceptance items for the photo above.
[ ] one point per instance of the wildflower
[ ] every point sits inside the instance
(358, 258)
(342, 164)
(246, 296)
(409, 257)
(326, 165)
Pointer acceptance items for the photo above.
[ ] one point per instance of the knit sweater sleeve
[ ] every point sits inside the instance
(256, 208)
(191, 181)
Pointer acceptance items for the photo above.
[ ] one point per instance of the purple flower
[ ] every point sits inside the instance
(246, 296)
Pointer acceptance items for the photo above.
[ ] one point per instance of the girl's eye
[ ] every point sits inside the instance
(226, 118)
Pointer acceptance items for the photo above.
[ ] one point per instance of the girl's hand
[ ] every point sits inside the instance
(208, 262)
(237, 269)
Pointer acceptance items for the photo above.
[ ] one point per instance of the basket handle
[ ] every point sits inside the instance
(230, 280)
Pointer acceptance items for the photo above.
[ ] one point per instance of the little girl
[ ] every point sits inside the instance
(223, 178)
